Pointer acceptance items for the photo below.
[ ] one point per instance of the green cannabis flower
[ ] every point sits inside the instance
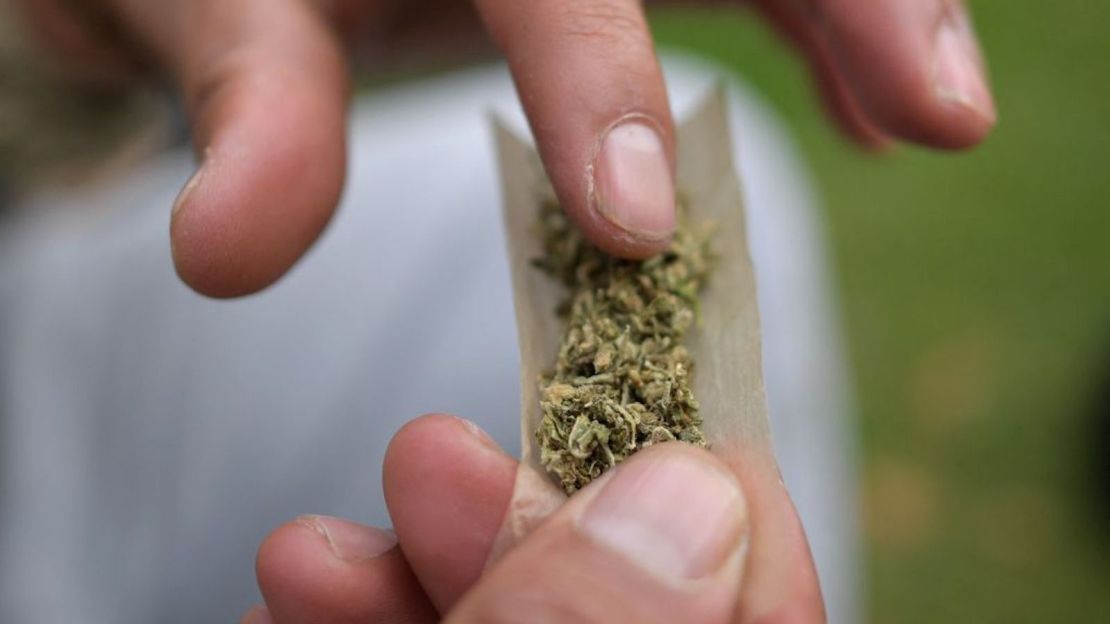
(622, 381)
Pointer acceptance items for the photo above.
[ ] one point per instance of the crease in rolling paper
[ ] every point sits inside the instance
(728, 381)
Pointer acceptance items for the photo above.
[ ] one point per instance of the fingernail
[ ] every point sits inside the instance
(477, 432)
(348, 540)
(257, 615)
(958, 67)
(676, 517)
(187, 190)
(633, 187)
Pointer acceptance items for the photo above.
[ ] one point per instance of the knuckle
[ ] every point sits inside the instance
(606, 22)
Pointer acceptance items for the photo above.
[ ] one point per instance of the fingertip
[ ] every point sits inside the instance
(296, 560)
(937, 120)
(260, 198)
(292, 565)
(455, 438)
(441, 454)
(268, 107)
(968, 123)
(915, 109)
(447, 486)
(915, 68)
(959, 76)
(320, 568)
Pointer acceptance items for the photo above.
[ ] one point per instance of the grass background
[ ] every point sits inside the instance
(976, 290)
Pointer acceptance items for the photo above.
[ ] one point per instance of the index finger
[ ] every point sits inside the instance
(590, 83)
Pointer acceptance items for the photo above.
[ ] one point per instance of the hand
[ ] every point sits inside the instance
(662, 538)
(265, 84)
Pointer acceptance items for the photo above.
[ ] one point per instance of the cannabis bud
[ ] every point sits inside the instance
(622, 381)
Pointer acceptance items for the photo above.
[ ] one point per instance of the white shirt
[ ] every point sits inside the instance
(150, 438)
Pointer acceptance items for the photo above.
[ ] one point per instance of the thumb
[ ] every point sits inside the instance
(660, 538)
(266, 88)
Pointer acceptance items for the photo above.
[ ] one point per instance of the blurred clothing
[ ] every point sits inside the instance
(150, 438)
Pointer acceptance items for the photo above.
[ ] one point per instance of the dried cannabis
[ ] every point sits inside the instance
(622, 381)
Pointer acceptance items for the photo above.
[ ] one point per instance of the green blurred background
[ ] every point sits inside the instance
(976, 290)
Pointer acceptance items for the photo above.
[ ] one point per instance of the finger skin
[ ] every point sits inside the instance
(448, 488)
(781, 584)
(887, 50)
(840, 103)
(580, 68)
(304, 581)
(565, 572)
(266, 89)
